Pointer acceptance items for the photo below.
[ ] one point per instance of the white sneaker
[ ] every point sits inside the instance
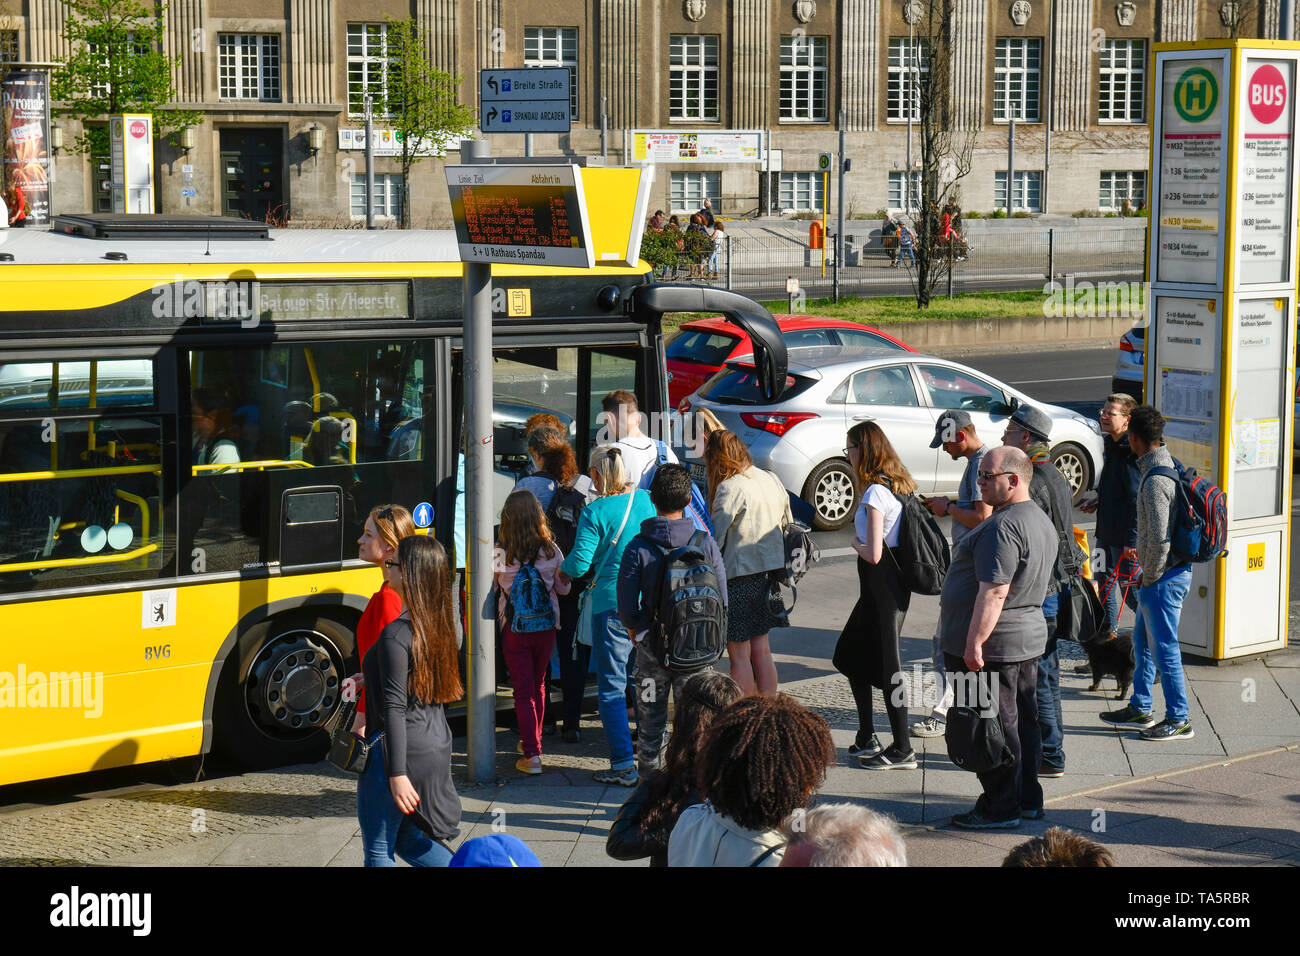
(930, 727)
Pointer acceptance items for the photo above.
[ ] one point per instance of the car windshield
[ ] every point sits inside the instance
(738, 385)
(700, 347)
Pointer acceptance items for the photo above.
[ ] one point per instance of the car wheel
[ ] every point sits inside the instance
(831, 491)
(1072, 462)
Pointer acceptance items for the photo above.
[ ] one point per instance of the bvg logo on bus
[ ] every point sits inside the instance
(1196, 94)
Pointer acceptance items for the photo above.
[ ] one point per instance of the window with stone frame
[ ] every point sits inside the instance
(1122, 90)
(1017, 79)
(909, 71)
(370, 68)
(1028, 194)
(804, 78)
(1118, 185)
(8, 46)
(801, 192)
(248, 66)
(555, 46)
(693, 77)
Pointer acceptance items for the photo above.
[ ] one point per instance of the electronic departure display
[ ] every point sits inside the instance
(521, 215)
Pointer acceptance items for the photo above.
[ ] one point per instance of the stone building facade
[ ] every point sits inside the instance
(265, 75)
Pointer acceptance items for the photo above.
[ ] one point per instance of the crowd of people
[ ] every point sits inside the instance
(946, 237)
(581, 566)
(701, 256)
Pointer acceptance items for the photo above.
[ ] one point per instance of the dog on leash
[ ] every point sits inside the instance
(1112, 653)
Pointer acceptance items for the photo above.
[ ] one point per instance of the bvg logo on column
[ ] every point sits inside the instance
(1196, 94)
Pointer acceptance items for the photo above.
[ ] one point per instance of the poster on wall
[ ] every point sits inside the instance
(1264, 199)
(688, 146)
(1191, 171)
(24, 146)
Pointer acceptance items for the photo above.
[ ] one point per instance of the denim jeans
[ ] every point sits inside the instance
(1159, 607)
(1113, 595)
(611, 648)
(385, 829)
(1050, 722)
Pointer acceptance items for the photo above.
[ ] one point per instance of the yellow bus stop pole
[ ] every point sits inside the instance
(825, 185)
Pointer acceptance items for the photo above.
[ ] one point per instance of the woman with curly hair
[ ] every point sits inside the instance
(762, 759)
(750, 508)
(867, 652)
(646, 820)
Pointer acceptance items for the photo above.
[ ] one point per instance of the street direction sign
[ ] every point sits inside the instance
(520, 215)
(524, 101)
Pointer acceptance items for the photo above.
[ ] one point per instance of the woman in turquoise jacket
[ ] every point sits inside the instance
(604, 530)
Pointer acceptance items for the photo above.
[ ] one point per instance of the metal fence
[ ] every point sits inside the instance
(758, 261)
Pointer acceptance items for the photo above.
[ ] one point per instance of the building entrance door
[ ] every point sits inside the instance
(252, 174)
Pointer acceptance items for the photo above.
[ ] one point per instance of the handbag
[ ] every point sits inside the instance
(347, 751)
(584, 633)
(975, 742)
(1081, 617)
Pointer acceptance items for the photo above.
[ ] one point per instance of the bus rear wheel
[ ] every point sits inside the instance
(276, 694)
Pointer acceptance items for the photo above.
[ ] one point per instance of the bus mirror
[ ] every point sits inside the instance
(770, 359)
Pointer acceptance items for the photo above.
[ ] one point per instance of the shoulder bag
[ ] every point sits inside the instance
(347, 751)
(585, 632)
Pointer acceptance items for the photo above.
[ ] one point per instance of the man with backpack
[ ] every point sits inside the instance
(672, 598)
(640, 453)
(1166, 578)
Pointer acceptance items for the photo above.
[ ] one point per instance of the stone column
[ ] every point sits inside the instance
(45, 21)
(969, 62)
(184, 36)
(438, 19)
(1272, 19)
(620, 57)
(1071, 75)
(861, 39)
(311, 51)
(755, 64)
(491, 45)
(1177, 21)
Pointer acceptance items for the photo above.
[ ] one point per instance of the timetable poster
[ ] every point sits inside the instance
(1264, 164)
(1191, 171)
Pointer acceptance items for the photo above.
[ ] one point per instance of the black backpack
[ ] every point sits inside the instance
(922, 555)
(690, 623)
(562, 516)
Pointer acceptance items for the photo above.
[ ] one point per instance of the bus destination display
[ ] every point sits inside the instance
(520, 215)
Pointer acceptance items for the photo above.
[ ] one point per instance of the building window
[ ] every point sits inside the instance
(1016, 79)
(689, 190)
(369, 66)
(387, 197)
(909, 70)
(1028, 194)
(693, 78)
(248, 66)
(1120, 184)
(8, 46)
(104, 89)
(896, 200)
(1122, 94)
(803, 78)
(555, 46)
(801, 192)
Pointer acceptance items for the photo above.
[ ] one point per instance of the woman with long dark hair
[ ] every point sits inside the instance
(750, 508)
(646, 820)
(867, 652)
(406, 802)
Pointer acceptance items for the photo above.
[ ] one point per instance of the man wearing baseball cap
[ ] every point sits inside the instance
(1029, 430)
(955, 432)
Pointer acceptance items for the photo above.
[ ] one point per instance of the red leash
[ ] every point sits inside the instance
(1128, 579)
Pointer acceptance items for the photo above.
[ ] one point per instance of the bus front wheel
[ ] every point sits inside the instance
(277, 692)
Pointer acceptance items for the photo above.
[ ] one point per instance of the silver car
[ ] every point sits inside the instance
(828, 390)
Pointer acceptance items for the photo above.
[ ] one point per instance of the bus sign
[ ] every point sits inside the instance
(521, 215)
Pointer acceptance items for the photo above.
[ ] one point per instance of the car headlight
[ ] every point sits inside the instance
(1091, 423)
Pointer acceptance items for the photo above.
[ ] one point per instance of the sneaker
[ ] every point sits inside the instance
(890, 759)
(1047, 770)
(1032, 814)
(1169, 729)
(930, 727)
(873, 747)
(529, 765)
(1129, 716)
(623, 778)
(974, 820)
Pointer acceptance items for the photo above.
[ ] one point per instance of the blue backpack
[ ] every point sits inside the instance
(698, 509)
(529, 605)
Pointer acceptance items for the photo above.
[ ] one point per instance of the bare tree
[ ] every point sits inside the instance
(946, 152)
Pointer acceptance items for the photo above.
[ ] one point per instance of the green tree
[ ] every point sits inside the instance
(421, 101)
(116, 66)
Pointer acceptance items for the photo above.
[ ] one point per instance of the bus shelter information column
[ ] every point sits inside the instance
(1186, 350)
(1191, 172)
(1264, 183)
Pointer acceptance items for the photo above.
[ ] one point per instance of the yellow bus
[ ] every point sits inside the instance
(196, 416)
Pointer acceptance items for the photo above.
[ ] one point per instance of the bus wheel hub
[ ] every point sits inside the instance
(293, 685)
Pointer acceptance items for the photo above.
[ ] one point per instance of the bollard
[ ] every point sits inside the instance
(1051, 255)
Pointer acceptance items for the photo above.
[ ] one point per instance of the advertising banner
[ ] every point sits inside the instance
(24, 146)
(688, 146)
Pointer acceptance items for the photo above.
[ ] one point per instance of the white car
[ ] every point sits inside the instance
(829, 390)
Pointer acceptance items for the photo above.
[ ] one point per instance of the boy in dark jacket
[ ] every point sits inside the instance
(638, 598)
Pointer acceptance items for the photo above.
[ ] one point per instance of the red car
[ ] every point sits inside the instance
(701, 347)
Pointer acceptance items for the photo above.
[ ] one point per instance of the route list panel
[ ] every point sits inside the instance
(1191, 172)
(522, 215)
(1264, 186)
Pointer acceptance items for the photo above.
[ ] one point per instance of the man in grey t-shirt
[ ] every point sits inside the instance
(956, 433)
(991, 623)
